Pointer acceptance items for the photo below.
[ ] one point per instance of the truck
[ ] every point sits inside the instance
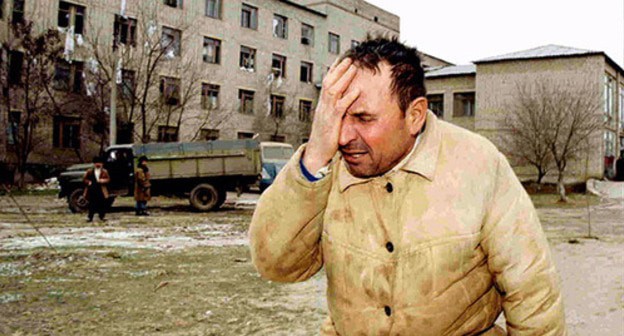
(275, 155)
(202, 171)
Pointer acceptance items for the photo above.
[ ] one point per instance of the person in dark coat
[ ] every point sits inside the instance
(142, 186)
(96, 192)
(619, 168)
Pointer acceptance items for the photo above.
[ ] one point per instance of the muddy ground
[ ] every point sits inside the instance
(179, 272)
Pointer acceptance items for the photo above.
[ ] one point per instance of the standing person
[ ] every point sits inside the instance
(422, 226)
(96, 192)
(142, 186)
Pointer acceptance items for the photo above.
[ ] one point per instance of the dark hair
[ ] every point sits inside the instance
(143, 158)
(98, 159)
(408, 77)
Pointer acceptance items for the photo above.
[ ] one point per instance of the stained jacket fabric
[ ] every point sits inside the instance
(439, 247)
(95, 187)
(142, 185)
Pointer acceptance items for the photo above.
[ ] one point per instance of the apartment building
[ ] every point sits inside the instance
(478, 97)
(252, 68)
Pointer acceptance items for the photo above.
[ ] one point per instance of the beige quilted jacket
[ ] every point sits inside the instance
(439, 247)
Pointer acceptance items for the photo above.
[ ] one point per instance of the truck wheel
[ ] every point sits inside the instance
(222, 197)
(77, 203)
(204, 197)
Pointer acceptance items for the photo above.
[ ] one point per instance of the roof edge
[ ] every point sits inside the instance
(591, 53)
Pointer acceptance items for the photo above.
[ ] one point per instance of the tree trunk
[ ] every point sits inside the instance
(561, 189)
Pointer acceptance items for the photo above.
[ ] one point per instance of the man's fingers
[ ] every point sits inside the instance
(345, 102)
(341, 85)
(336, 72)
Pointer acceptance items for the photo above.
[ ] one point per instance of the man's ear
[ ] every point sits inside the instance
(416, 114)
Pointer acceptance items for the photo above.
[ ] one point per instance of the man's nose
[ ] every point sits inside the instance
(347, 132)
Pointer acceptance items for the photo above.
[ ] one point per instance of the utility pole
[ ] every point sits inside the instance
(116, 78)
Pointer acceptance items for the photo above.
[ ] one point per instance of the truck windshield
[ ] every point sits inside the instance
(276, 153)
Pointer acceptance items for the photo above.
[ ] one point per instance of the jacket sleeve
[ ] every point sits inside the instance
(286, 227)
(104, 178)
(520, 260)
(85, 178)
(139, 176)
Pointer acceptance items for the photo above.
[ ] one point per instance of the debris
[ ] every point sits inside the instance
(241, 260)
(161, 285)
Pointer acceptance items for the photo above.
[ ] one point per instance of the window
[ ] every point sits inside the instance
(71, 15)
(249, 17)
(170, 90)
(171, 41)
(278, 138)
(68, 77)
(213, 8)
(16, 63)
(609, 96)
(247, 58)
(277, 106)
(305, 109)
(376, 19)
(306, 72)
(210, 96)
(18, 11)
(124, 30)
(209, 134)
(278, 66)
(464, 105)
(244, 135)
(127, 85)
(436, 104)
(334, 43)
(622, 107)
(173, 3)
(13, 127)
(609, 156)
(307, 34)
(1, 9)
(246, 100)
(167, 134)
(354, 43)
(280, 26)
(66, 132)
(212, 50)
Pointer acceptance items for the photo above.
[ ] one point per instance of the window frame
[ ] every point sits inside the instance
(248, 63)
(174, 97)
(246, 101)
(127, 24)
(252, 20)
(216, 44)
(281, 70)
(305, 116)
(165, 134)
(207, 92)
(310, 39)
(278, 106)
(217, 7)
(333, 37)
(280, 26)
(176, 41)
(59, 139)
(309, 72)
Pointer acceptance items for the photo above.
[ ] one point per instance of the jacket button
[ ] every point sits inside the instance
(389, 247)
(389, 187)
(388, 310)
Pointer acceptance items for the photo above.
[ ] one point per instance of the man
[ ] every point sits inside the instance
(142, 187)
(96, 192)
(422, 226)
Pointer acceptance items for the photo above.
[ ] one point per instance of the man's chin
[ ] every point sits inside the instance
(359, 170)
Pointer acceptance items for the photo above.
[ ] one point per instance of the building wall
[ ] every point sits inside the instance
(449, 86)
(348, 24)
(497, 85)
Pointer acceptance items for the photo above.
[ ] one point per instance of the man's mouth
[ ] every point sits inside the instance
(353, 157)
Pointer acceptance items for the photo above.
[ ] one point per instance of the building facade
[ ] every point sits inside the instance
(227, 69)
(480, 96)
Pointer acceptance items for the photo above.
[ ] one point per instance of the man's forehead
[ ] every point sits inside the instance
(373, 86)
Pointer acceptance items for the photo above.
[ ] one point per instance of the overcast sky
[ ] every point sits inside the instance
(461, 31)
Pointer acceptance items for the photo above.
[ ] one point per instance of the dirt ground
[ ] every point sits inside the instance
(180, 272)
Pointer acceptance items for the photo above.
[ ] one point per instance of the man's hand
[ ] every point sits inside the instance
(323, 143)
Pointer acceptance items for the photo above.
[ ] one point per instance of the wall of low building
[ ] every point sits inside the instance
(497, 89)
(449, 86)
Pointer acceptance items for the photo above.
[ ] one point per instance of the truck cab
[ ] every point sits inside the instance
(275, 155)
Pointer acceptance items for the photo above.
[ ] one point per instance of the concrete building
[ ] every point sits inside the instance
(479, 96)
(255, 65)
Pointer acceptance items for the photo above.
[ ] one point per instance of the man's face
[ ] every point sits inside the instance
(98, 165)
(375, 134)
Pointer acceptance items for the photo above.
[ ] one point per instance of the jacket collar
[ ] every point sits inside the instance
(422, 160)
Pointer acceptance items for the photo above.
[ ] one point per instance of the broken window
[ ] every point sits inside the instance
(277, 106)
(124, 30)
(280, 26)
(278, 65)
(18, 11)
(127, 84)
(171, 41)
(305, 109)
(212, 50)
(68, 77)
(210, 96)
(247, 58)
(173, 3)
(170, 90)
(307, 34)
(306, 72)
(16, 63)
(71, 15)
(246, 100)
(167, 134)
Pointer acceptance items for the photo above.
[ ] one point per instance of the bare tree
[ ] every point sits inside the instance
(527, 142)
(156, 84)
(26, 78)
(564, 117)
